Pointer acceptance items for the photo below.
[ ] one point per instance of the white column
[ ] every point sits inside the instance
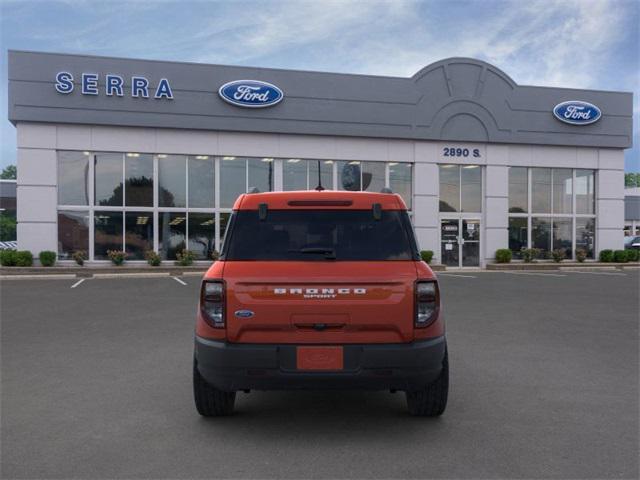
(496, 210)
(37, 188)
(610, 200)
(426, 191)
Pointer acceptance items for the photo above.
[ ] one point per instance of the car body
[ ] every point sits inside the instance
(320, 289)
(632, 242)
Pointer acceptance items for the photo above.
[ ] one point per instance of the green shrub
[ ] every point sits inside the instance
(503, 255)
(8, 258)
(24, 258)
(558, 255)
(117, 257)
(581, 254)
(185, 258)
(620, 256)
(47, 258)
(215, 255)
(633, 255)
(530, 254)
(606, 255)
(153, 258)
(79, 256)
(426, 255)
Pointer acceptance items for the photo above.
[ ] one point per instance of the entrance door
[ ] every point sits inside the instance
(460, 242)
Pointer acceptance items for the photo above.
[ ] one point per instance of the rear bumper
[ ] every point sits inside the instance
(405, 366)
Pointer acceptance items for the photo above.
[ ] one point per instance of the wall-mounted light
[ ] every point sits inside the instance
(393, 164)
(470, 166)
(267, 159)
(293, 160)
(228, 158)
(202, 157)
(354, 163)
(133, 155)
(86, 153)
(328, 162)
(162, 155)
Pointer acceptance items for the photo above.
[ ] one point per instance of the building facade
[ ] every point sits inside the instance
(146, 155)
(632, 211)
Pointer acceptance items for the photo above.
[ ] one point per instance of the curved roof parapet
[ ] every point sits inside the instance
(464, 61)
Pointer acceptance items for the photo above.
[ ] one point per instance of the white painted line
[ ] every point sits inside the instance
(179, 281)
(599, 273)
(78, 283)
(538, 274)
(455, 275)
(54, 276)
(131, 275)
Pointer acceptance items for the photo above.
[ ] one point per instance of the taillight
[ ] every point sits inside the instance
(212, 302)
(427, 303)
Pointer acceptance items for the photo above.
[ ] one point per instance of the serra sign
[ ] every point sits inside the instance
(113, 85)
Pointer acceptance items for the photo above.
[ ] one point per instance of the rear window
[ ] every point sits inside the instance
(320, 235)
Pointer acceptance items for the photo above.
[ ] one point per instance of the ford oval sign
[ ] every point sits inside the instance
(577, 112)
(250, 93)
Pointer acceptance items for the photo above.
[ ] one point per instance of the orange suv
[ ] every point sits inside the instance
(320, 289)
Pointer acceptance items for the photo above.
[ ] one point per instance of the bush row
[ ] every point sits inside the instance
(504, 255)
(620, 256)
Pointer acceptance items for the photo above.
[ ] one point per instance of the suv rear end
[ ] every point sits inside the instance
(320, 290)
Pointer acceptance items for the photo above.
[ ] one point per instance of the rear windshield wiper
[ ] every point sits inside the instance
(329, 253)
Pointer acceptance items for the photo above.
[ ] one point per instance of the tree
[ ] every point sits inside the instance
(632, 180)
(9, 173)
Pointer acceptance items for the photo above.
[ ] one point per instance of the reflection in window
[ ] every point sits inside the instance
(201, 182)
(449, 188)
(586, 234)
(73, 178)
(373, 176)
(224, 221)
(541, 235)
(260, 174)
(73, 233)
(562, 235)
(172, 234)
(585, 192)
(471, 188)
(294, 174)
(108, 179)
(541, 190)
(138, 169)
(138, 234)
(517, 235)
(349, 176)
(108, 233)
(518, 190)
(233, 180)
(172, 189)
(400, 181)
(202, 234)
(562, 190)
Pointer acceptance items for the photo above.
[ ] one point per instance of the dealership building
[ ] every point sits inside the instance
(141, 155)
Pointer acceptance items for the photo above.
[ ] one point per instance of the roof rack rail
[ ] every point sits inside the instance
(386, 190)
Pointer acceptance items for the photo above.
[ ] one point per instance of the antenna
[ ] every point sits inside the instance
(319, 188)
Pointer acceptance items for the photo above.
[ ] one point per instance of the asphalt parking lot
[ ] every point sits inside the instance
(96, 383)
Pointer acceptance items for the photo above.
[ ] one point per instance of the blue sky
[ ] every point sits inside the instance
(569, 43)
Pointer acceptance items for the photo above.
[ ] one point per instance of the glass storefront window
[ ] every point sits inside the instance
(294, 174)
(172, 186)
(233, 180)
(138, 237)
(107, 234)
(517, 235)
(562, 190)
(202, 234)
(138, 172)
(541, 235)
(585, 192)
(586, 234)
(400, 181)
(373, 176)
(541, 190)
(201, 182)
(108, 179)
(449, 188)
(471, 192)
(260, 174)
(224, 221)
(172, 234)
(518, 190)
(73, 178)
(562, 235)
(73, 233)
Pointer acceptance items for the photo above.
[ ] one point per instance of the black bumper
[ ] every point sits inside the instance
(404, 366)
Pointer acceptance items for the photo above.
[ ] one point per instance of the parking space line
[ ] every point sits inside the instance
(599, 273)
(538, 274)
(78, 283)
(455, 275)
(179, 281)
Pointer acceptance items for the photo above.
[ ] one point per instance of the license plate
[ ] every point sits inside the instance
(319, 358)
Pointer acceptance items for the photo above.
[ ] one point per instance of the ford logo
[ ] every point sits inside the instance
(250, 93)
(244, 313)
(576, 112)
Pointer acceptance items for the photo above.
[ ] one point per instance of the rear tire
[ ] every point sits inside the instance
(211, 402)
(431, 401)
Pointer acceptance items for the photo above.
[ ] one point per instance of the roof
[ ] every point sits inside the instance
(323, 200)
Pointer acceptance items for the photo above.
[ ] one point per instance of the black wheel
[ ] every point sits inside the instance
(211, 402)
(432, 401)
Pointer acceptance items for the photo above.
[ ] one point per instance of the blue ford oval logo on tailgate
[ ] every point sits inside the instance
(244, 313)
(577, 112)
(250, 93)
